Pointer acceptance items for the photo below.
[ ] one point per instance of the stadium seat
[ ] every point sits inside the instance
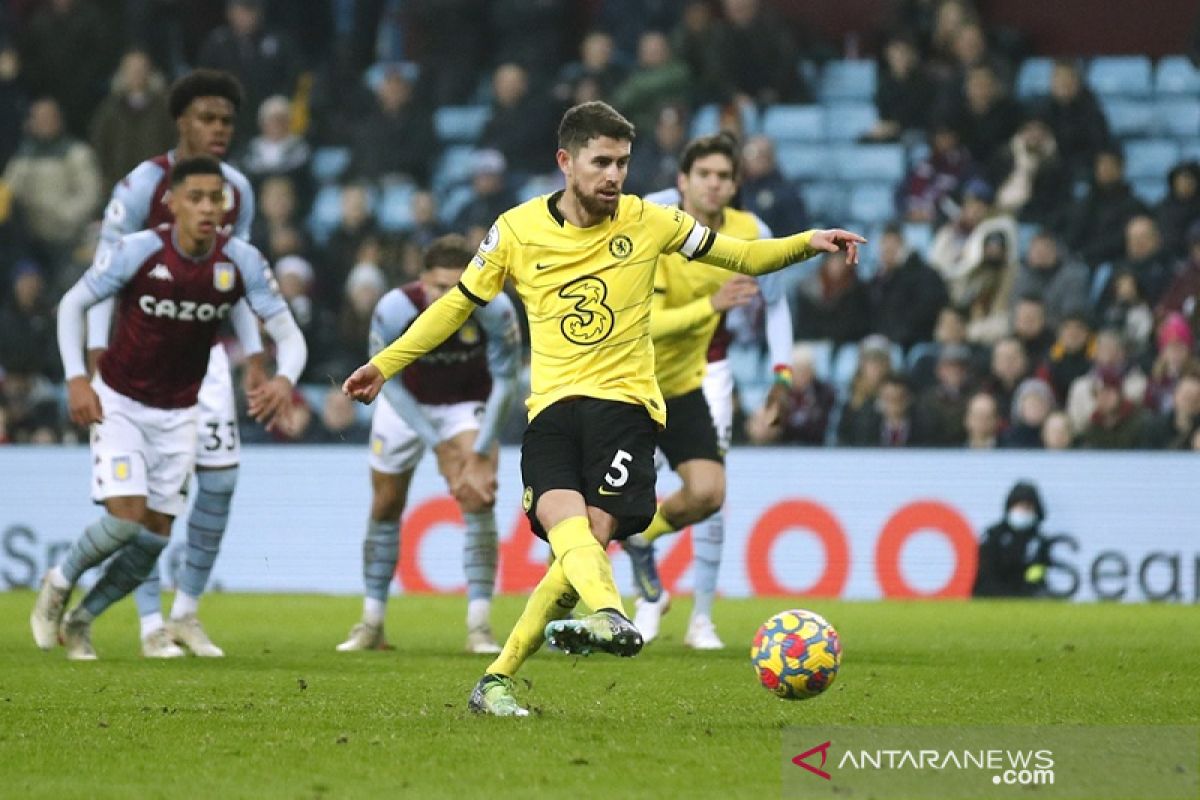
(373, 76)
(1178, 116)
(707, 120)
(872, 203)
(849, 121)
(395, 208)
(1025, 233)
(1150, 190)
(330, 163)
(1129, 117)
(822, 353)
(872, 229)
(916, 153)
(1033, 79)
(1150, 158)
(326, 212)
(539, 185)
(1176, 75)
(746, 363)
(1128, 76)
(799, 160)
(752, 396)
(919, 236)
(845, 362)
(453, 167)
(919, 351)
(1100, 279)
(870, 162)
(824, 200)
(808, 71)
(848, 80)
(794, 123)
(452, 202)
(1189, 149)
(835, 418)
(460, 124)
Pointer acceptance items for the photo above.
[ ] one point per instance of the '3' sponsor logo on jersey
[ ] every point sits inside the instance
(593, 320)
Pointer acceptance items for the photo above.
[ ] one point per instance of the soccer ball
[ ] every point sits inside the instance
(796, 654)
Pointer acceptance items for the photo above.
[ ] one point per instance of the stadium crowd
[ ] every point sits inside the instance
(1034, 267)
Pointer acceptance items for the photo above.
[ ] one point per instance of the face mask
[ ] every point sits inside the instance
(1021, 519)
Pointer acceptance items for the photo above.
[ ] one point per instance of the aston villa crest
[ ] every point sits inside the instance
(223, 276)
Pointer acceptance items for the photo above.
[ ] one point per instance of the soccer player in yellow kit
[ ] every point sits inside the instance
(691, 343)
(583, 262)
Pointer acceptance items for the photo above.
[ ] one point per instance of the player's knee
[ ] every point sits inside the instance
(128, 509)
(603, 525)
(706, 497)
(387, 507)
(158, 524)
(472, 505)
(388, 496)
(218, 481)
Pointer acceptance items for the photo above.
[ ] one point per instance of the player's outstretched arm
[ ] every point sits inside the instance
(760, 256)
(430, 329)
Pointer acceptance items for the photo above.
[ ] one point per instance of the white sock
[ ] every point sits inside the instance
(479, 612)
(373, 611)
(150, 623)
(637, 540)
(81, 614)
(184, 605)
(58, 580)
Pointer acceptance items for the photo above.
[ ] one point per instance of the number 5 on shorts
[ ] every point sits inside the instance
(618, 475)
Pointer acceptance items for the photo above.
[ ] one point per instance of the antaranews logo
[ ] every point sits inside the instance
(823, 749)
(1021, 767)
(1002, 762)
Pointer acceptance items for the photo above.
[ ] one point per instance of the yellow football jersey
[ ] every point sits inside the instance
(587, 293)
(681, 354)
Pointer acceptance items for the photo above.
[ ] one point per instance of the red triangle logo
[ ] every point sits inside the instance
(823, 749)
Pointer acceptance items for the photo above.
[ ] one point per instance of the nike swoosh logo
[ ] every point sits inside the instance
(608, 493)
(540, 267)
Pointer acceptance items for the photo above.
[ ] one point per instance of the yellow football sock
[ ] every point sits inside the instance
(553, 598)
(585, 563)
(659, 526)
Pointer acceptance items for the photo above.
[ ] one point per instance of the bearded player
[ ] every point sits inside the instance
(583, 261)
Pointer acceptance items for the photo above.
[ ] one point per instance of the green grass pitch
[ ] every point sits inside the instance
(285, 716)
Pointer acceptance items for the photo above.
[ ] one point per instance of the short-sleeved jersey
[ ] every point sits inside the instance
(681, 357)
(460, 369)
(139, 200)
(170, 307)
(587, 294)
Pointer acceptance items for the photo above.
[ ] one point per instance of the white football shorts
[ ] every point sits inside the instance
(718, 392)
(218, 444)
(142, 451)
(396, 448)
